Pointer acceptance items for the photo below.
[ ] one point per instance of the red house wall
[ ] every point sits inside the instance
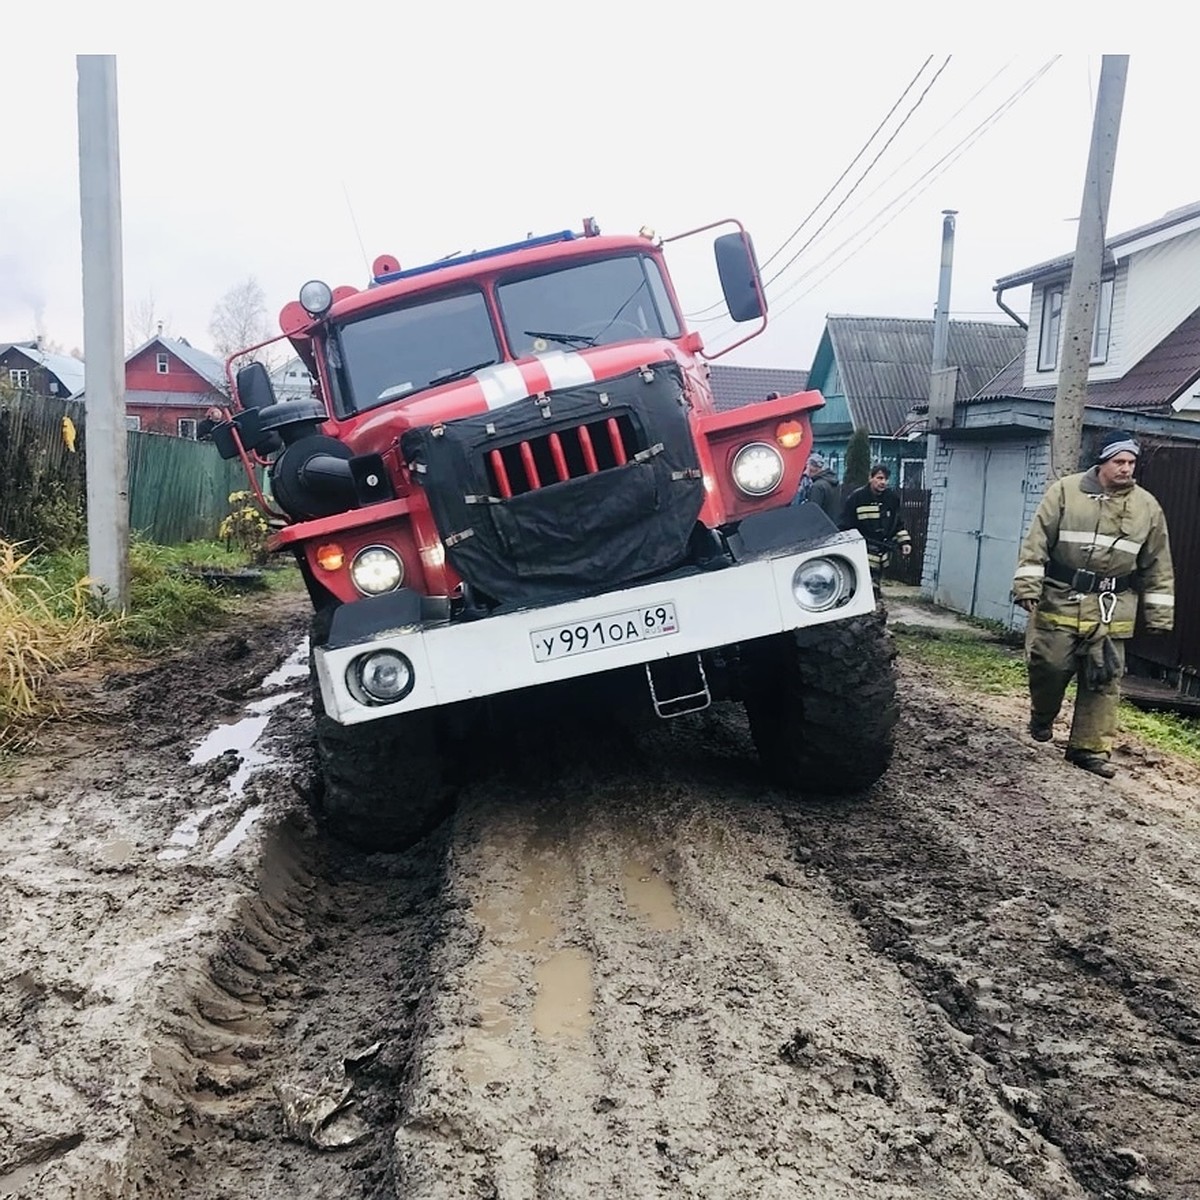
(141, 375)
(160, 419)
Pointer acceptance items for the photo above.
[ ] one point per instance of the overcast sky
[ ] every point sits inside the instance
(285, 151)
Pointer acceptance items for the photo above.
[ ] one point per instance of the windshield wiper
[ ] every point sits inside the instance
(460, 373)
(564, 339)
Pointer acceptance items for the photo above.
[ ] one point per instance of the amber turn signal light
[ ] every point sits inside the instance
(789, 434)
(331, 557)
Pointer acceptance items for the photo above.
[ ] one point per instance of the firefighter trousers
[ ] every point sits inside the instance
(1054, 659)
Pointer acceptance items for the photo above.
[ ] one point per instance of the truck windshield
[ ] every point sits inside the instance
(586, 304)
(390, 355)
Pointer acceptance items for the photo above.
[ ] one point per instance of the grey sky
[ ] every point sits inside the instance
(254, 148)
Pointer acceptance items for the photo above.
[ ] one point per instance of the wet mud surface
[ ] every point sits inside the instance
(625, 966)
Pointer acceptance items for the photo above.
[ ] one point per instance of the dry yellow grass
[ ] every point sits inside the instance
(41, 632)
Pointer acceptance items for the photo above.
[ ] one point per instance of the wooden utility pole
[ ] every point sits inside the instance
(103, 342)
(1079, 319)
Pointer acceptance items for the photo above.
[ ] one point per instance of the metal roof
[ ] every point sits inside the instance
(67, 370)
(734, 386)
(885, 362)
(1056, 266)
(1159, 378)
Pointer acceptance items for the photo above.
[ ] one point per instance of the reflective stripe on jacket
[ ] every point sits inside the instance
(1082, 527)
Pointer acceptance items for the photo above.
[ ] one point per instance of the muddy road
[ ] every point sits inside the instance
(625, 967)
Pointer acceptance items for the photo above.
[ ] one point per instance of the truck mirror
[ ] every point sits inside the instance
(254, 387)
(738, 270)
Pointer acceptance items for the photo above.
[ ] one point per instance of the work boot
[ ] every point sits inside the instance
(1090, 760)
(1040, 732)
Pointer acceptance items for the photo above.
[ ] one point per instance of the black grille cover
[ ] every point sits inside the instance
(579, 536)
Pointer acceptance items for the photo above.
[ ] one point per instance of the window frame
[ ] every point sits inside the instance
(18, 377)
(181, 422)
(133, 424)
(1051, 322)
(1104, 310)
(162, 363)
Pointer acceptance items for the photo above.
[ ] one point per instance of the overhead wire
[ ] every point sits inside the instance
(694, 316)
(883, 149)
(931, 174)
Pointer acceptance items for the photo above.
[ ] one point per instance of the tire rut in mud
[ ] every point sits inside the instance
(1052, 919)
(283, 1064)
(656, 1001)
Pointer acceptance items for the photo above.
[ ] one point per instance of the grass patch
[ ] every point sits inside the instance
(986, 666)
(977, 664)
(50, 620)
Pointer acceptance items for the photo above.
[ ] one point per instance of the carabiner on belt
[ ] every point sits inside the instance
(1108, 606)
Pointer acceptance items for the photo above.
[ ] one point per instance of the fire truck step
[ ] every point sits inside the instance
(678, 686)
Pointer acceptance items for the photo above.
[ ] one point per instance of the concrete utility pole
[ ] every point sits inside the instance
(943, 381)
(103, 342)
(1079, 319)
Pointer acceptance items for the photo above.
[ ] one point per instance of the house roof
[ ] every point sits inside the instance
(1159, 378)
(208, 366)
(1172, 224)
(67, 370)
(734, 386)
(885, 362)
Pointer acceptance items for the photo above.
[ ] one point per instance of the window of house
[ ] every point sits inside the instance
(912, 473)
(1103, 328)
(164, 363)
(1052, 303)
(1052, 309)
(133, 422)
(187, 428)
(18, 377)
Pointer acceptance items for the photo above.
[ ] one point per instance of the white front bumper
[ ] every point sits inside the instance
(482, 658)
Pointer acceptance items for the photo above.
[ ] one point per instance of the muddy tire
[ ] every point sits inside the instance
(822, 704)
(381, 784)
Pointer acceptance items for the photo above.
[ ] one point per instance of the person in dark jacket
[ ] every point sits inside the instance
(874, 511)
(823, 488)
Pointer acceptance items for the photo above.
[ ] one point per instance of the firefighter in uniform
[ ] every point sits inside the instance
(874, 511)
(1097, 542)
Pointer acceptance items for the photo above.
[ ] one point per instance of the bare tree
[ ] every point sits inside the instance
(143, 322)
(239, 319)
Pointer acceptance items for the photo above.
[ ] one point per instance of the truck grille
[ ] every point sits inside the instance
(561, 455)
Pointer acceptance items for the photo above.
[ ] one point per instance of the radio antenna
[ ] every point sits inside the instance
(357, 234)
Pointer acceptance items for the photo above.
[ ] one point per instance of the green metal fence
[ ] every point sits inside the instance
(178, 489)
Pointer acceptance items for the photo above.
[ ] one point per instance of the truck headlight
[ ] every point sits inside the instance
(377, 569)
(757, 469)
(820, 584)
(382, 677)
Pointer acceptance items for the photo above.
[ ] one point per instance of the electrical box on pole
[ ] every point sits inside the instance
(103, 320)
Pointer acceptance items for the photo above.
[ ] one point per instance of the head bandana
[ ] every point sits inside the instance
(1118, 443)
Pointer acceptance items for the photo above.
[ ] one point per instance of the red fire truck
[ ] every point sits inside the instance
(511, 476)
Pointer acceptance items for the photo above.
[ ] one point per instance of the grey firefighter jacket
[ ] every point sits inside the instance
(1079, 526)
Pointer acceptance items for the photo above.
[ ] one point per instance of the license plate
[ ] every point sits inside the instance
(603, 633)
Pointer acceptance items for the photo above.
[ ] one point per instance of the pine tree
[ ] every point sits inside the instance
(858, 459)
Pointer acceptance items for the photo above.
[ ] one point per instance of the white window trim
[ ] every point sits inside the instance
(162, 363)
(133, 423)
(187, 421)
(1050, 328)
(18, 377)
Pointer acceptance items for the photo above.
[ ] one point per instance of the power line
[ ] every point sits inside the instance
(933, 173)
(817, 207)
(870, 165)
(850, 166)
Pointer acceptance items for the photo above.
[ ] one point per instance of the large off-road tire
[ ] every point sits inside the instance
(822, 704)
(382, 784)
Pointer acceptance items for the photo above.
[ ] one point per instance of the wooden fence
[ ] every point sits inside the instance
(178, 489)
